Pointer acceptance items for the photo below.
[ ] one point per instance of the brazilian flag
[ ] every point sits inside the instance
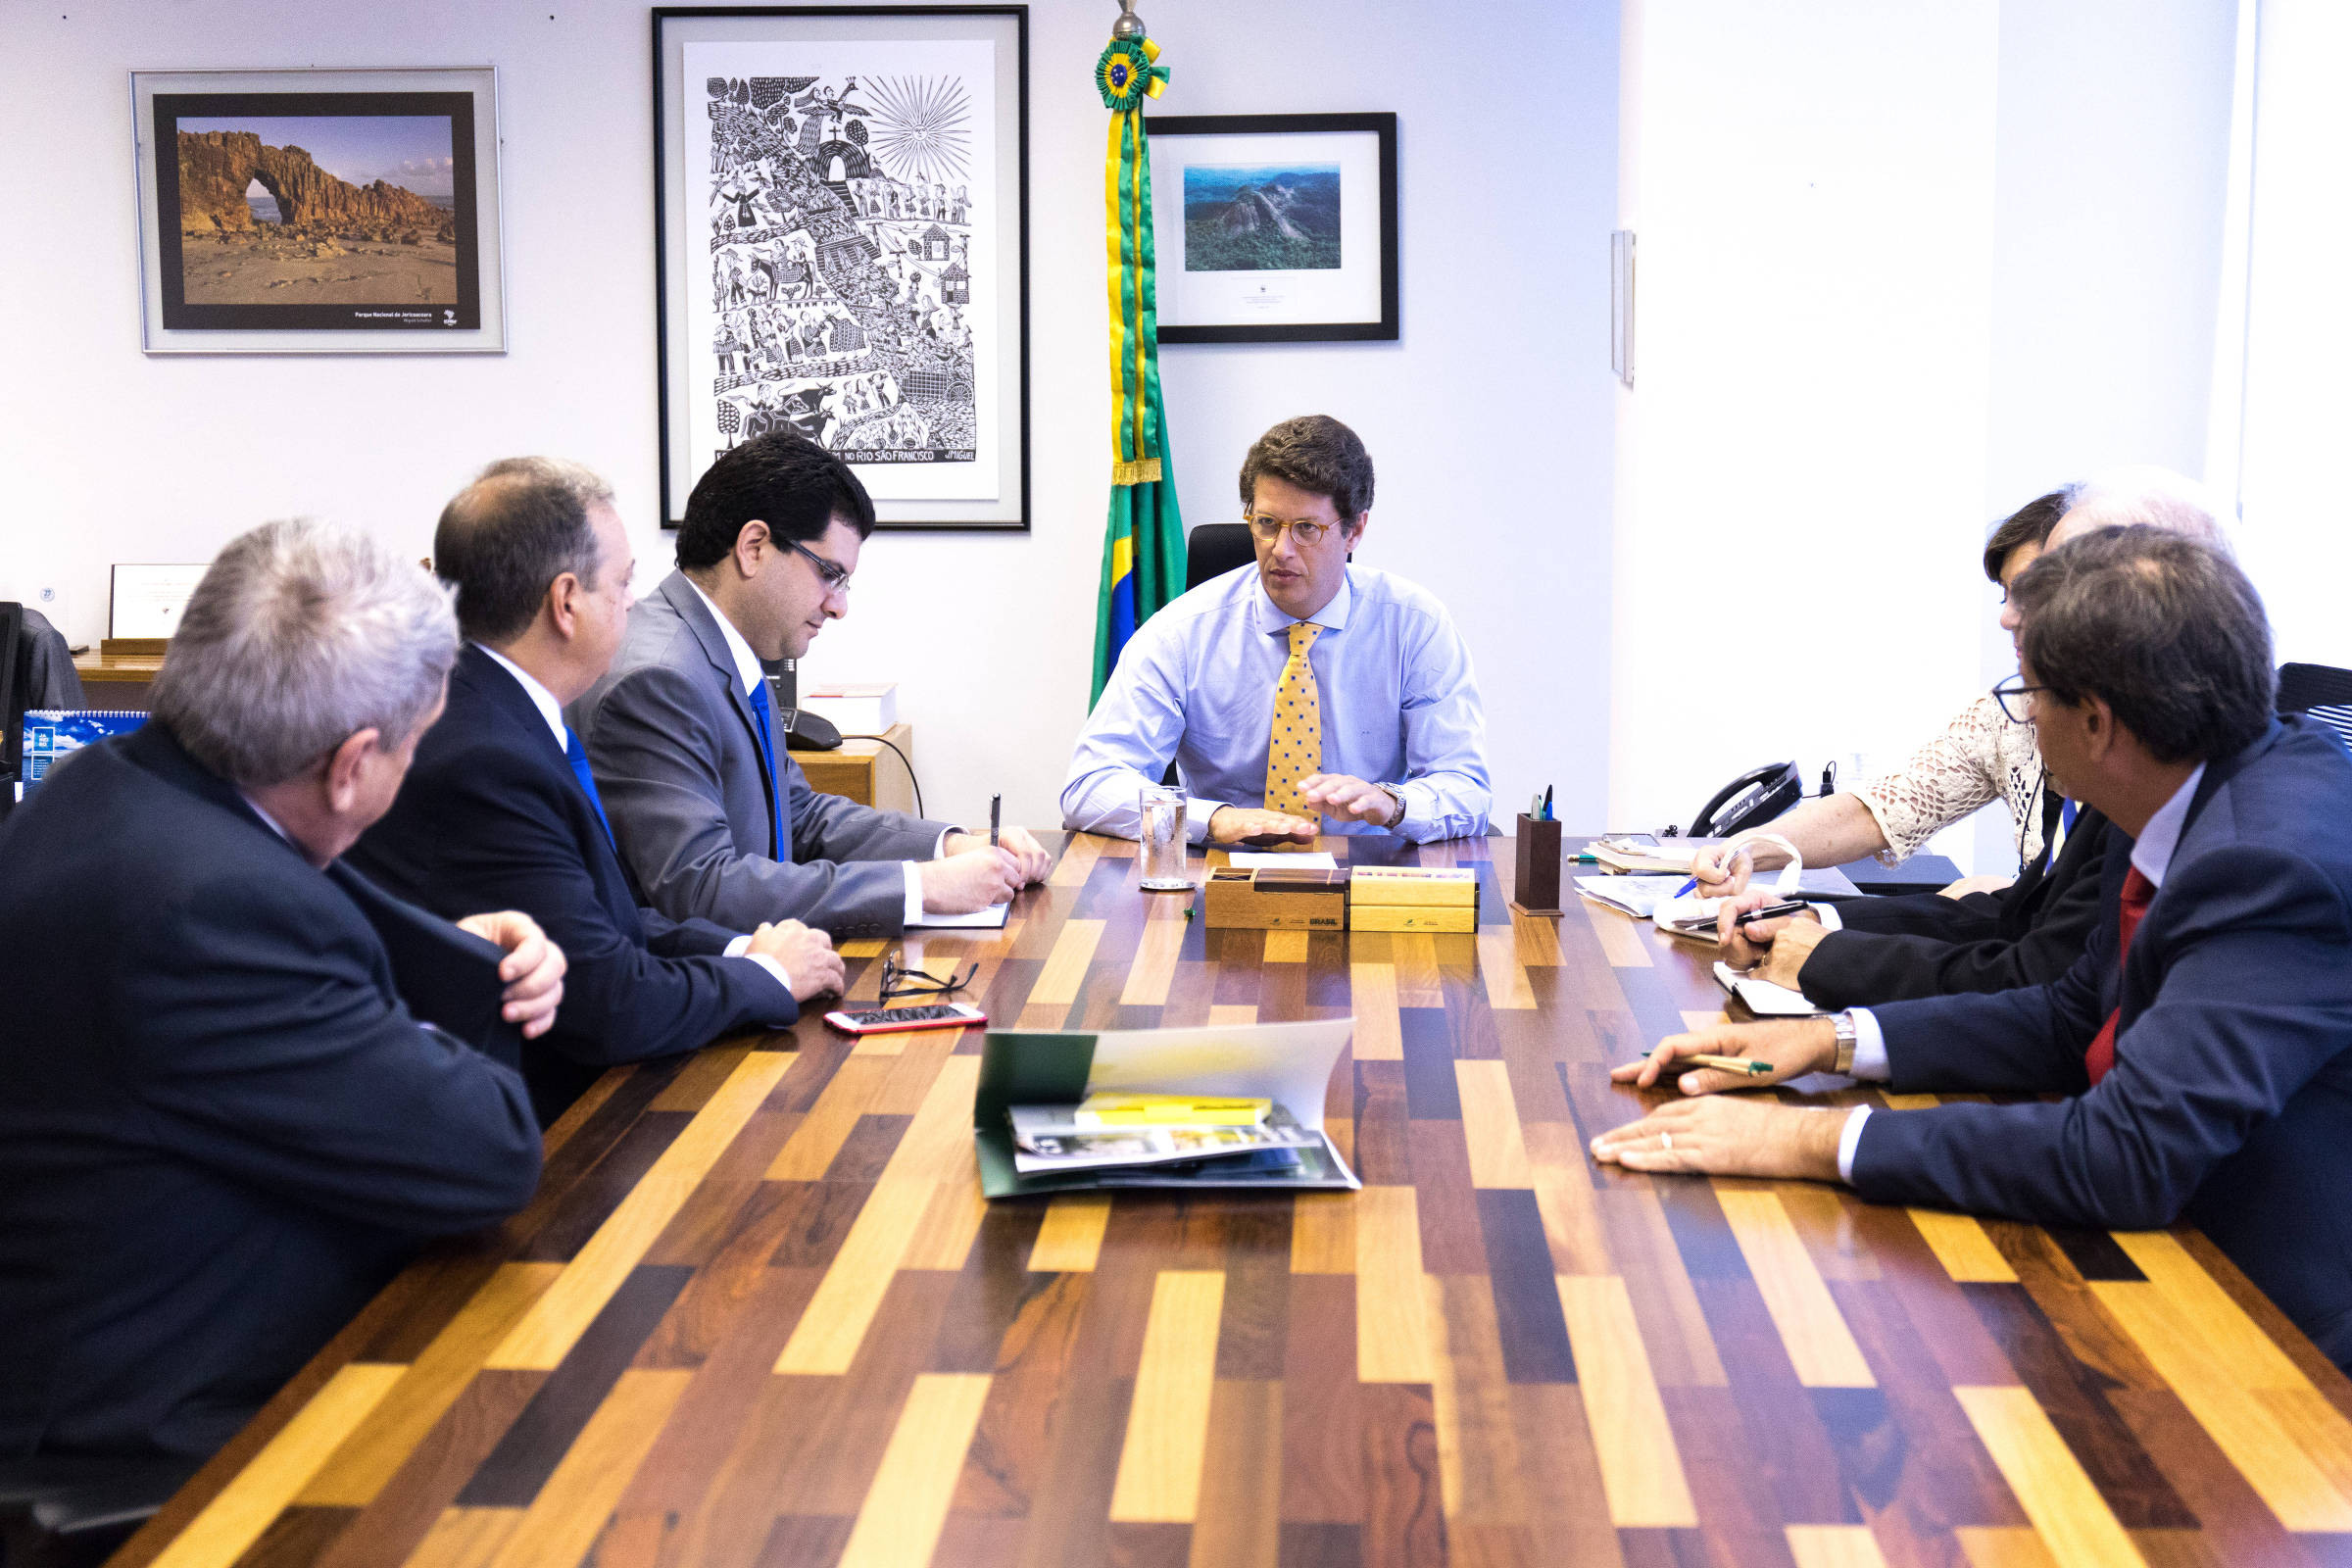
(1143, 542)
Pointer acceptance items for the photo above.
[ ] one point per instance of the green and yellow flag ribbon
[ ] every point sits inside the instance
(1143, 546)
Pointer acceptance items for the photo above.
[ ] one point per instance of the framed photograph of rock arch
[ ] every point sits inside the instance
(319, 211)
(1275, 228)
(841, 202)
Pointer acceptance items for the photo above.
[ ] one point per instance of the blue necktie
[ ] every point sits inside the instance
(2066, 814)
(758, 697)
(577, 755)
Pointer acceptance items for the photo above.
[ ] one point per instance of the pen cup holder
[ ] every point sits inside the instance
(1536, 881)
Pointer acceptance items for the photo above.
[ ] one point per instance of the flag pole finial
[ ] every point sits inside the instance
(1129, 25)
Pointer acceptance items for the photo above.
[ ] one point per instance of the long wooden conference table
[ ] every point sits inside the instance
(760, 1315)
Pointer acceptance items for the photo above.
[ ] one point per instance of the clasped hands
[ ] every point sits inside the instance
(1333, 795)
(1769, 950)
(1707, 1133)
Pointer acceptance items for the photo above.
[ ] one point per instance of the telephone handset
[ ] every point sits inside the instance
(1751, 799)
(803, 731)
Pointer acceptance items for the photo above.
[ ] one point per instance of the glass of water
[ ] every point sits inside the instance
(1161, 841)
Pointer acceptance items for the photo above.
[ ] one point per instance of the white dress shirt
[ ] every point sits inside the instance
(2151, 856)
(1195, 685)
(754, 690)
(553, 711)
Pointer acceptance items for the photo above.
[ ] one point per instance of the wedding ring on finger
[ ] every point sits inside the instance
(1666, 1142)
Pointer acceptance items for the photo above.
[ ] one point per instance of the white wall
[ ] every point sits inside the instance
(1902, 268)
(2297, 534)
(1489, 423)
(1815, 213)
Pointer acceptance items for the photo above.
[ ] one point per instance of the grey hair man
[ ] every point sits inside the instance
(2144, 496)
(241, 1084)
(501, 807)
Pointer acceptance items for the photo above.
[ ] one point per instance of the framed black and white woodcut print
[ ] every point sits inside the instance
(842, 199)
(1275, 228)
(321, 211)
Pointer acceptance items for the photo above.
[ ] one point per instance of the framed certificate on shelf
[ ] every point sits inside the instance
(147, 599)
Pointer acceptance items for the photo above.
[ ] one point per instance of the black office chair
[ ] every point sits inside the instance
(1214, 549)
(60, 1511)
(2320, 690)
(11, 704)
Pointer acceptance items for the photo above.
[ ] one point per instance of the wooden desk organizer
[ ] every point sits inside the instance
(1276, 899)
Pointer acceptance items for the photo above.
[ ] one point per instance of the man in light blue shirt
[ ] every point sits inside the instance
(1300, 694)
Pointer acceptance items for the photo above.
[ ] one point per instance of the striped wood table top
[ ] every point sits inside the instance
(760, 1315)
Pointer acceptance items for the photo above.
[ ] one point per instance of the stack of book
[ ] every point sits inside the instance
(1413, 897)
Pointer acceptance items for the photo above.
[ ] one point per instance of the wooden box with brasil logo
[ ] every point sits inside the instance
(1270, 898)
(1413, 897)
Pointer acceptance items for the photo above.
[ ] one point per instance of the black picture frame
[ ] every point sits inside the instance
(465, 313)
(1011, 510)
(1168, 213)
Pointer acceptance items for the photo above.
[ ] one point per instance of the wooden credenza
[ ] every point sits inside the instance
(866, 772)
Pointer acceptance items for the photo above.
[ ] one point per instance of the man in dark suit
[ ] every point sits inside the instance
(224, 1121)
(713, 818)
(2201, 1038)
(1931, 945)
(501, 810)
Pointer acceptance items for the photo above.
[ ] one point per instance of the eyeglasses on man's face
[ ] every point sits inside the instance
(900, 981)
(1308, 531)
(2016, 698)
(837, 579)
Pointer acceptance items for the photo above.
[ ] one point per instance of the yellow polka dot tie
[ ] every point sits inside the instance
(1294, 751)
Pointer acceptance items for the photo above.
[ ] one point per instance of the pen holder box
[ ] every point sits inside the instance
(1536, 880)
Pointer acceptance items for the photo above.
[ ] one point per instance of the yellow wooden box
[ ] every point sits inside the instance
(1412, 916)
(1426, 885)
(1276, 899)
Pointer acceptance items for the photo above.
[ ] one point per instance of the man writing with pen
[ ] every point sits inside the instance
(2199, 1042)
(1297, 695)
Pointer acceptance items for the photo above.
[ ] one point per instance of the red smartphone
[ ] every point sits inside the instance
(891, 1020)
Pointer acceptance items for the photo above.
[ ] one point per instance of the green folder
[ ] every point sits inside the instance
(1288, 1063)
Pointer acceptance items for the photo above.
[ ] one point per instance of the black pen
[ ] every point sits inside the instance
(1772, 912)
(995, 817)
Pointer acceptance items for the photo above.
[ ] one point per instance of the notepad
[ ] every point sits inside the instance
(1305, 861)
(1764, 998)
(990, 918)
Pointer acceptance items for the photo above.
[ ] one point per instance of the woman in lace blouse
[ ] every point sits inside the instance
(1979, 758)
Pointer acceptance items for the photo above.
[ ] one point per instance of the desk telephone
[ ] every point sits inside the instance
(1753, 799)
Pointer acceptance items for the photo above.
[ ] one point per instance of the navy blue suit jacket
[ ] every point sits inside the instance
(2230, 1100)
(492, 817)
(220, 1128)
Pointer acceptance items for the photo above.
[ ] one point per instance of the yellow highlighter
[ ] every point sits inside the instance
(1171, 1110)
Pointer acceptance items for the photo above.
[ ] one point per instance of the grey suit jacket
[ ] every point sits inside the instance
(670, 737)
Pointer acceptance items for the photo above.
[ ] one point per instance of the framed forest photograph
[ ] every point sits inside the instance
(319, 211)
(841, 202)
(1275, 228)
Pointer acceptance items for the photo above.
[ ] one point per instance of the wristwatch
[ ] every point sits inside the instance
(1847, 1036)
(1394, 794)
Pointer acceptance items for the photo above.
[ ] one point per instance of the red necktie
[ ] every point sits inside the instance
(2137, 892)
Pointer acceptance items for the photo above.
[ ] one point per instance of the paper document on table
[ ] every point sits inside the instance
(1636, 895)
(1305, 861)
(990, 918)
(1764, 998)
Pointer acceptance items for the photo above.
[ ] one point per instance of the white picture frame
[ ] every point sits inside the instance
(403, 257)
